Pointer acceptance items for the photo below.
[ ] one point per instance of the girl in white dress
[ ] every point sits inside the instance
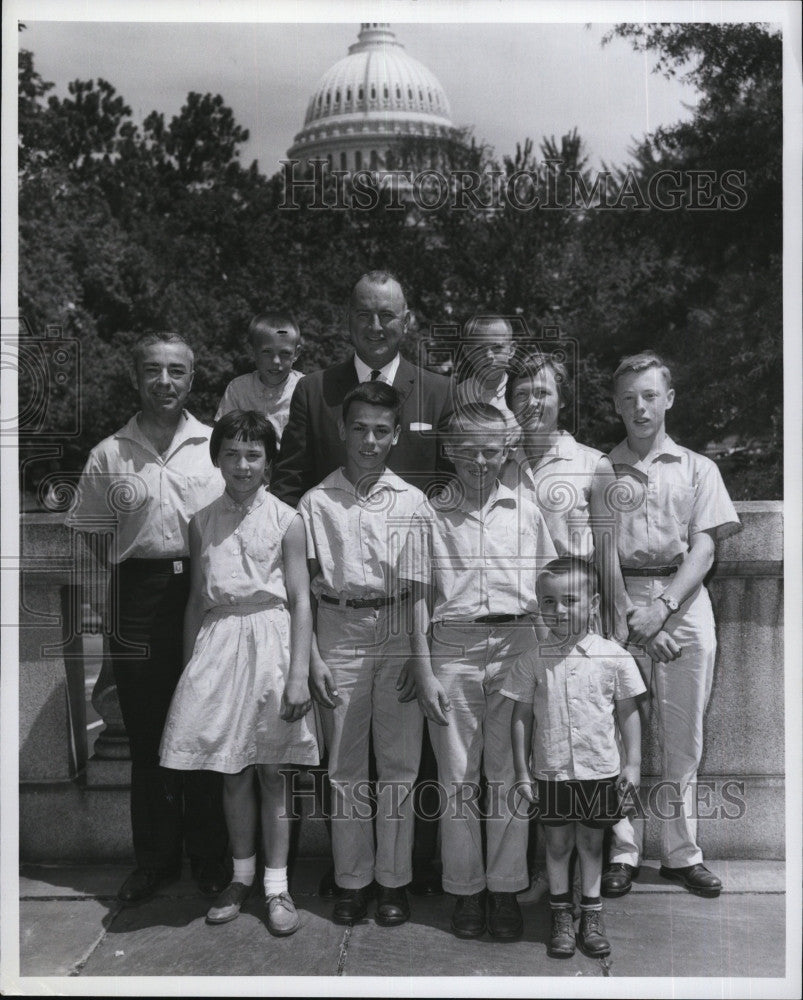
(242, 700)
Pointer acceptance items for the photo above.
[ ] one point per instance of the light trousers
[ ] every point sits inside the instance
(365, 649)
(471, 662)
(679, 693)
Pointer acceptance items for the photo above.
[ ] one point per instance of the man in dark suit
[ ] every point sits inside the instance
(378, 320)
(311, 447)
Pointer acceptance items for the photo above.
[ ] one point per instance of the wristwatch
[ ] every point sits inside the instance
(670, 602)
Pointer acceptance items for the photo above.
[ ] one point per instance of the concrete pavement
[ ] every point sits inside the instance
(71, 925)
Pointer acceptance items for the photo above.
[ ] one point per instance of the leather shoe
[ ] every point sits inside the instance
(617, 879)
(696, 878)
(426, 882)
(229, 903)
(561, 934)
(392, 907)
(504, 916)
(351, 905)
(591, 935)
(142, 883)
(468, 919)
(212, 876)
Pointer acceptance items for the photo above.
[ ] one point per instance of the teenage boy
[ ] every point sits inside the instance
(356, 521)
(675, 507)
(567, 692)
(275, 341)
(472, 560)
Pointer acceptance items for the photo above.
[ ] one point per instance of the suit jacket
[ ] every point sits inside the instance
(311, 445)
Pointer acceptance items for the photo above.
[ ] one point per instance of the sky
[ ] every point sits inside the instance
(510, 81)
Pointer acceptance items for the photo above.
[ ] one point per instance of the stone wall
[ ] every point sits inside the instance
(72, 809)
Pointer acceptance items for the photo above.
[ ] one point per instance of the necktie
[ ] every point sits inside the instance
(375, 374)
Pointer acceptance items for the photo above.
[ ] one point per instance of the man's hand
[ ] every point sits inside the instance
(646, 622)
(405, 685)
(322, 683)
(296, 701)
(663, 648)
(433, 700)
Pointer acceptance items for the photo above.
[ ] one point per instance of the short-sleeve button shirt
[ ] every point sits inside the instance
(660, 501)
(481, 562)
(249, 392)
(356, 540)
(144, 498)
(560, 483)
(573, 697)
(241, 551)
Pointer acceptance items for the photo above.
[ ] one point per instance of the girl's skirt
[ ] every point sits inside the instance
(224, 714)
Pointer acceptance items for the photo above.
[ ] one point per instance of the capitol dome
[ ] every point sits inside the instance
(377, 95)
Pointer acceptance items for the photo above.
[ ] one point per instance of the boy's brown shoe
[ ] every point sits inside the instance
(591, 935)
(468, 919)
(696, 878)
(561, 935)
(504, 916)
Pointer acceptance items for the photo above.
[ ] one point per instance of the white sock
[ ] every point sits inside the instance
(275, 881)
(245, 870)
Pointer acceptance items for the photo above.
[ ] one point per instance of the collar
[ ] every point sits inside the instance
(501, 496)
(519, 466)
(388, 480)
(266, 390)
(622, 454)
(188, 430)
(487, 395)
(386, 373)
(256, 501)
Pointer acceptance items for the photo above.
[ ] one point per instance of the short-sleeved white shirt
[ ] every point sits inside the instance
(356, 540)
(560, 483)
(660, 501)
(573, 698)
(482, 562)
(146, 499)
(249, 392)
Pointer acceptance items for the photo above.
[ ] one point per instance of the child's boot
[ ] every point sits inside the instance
(591, 936)
(561, 935)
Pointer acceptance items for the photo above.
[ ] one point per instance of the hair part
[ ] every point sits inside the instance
(374, 394)
(377, 278)
(271, 321)
(641, 362)
(574, 568)
(244, 425)
(162, 337)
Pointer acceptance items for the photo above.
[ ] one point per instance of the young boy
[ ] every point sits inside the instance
(568, 686)
(356, 521)
(675, 508)
(472, 558)
(275, 342)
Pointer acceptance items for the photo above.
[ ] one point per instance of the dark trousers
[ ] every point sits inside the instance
(169, 809)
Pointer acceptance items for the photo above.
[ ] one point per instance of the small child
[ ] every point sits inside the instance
(472, 558)
(569, 686)
(675, 507)
(243, 696)
(276, 343)
(356, 520)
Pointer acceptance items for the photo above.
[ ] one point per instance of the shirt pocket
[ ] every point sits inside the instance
(601, 688)
(197, 491)
(681, 501)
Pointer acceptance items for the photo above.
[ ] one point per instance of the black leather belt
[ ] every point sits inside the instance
(650, 571)
(368, 602)
(485, 620)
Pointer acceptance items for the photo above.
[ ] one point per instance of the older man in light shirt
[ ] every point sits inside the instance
(137, 493)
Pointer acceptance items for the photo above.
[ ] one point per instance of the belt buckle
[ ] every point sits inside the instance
(178, 567)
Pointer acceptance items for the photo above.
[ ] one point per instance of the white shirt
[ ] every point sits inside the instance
(249, 392)
(386, 374)
(144, 499)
